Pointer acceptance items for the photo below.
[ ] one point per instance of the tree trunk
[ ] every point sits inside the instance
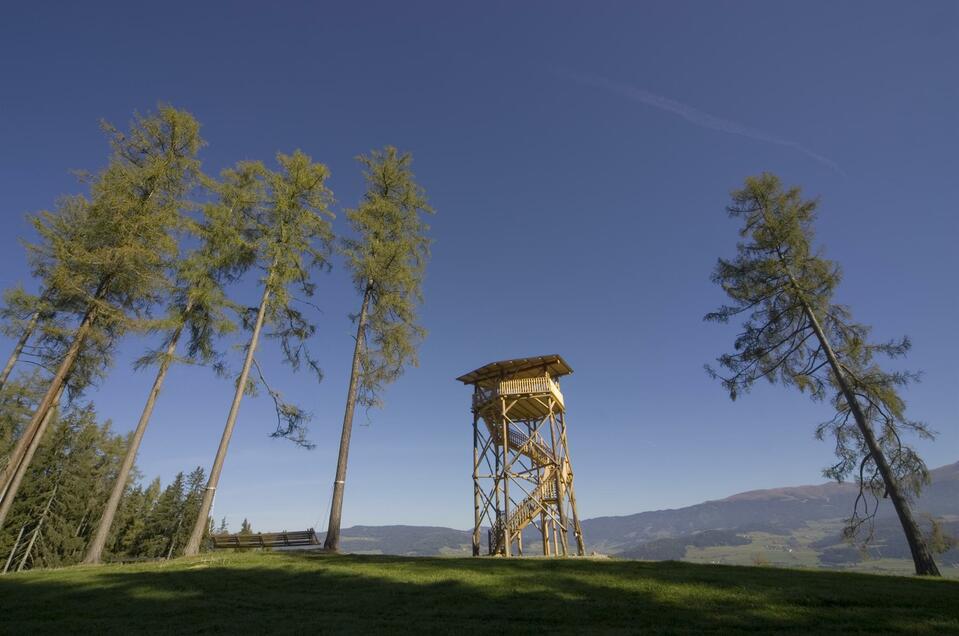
(13, 551)
(17, 350)
(36, 531)
(193, 545)
(21, 470)
(925, 565)
(52, 395)
(332, 541)
(95, 551)
(169, 552)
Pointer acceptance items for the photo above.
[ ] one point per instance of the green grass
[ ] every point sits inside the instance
(317, 593)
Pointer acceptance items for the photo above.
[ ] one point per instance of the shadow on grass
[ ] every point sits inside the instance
(280, 593)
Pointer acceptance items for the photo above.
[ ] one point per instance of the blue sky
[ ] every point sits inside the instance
(579, 157)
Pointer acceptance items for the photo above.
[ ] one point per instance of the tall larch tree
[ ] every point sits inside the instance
(105, 258)
(794, 333)
(289, 233)
(387, 258)
(197, 309)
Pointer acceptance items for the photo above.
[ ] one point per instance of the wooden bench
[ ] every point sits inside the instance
(265, 539)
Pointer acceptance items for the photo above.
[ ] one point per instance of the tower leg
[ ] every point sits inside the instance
(476, 488)
(555, 538)
(544, 529)
(577, 528)
(497, 486)
(560, 457)
(507, 538)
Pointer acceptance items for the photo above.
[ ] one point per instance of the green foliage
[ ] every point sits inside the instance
(129, 525)
(197, 301)
(778, 283)
(75, 466)
(18, 308)
(285, 232)
(112, 250)
(155, 522)
(64, 488)
(387, 258)
(293, 237)
(108, 254)
(18, 401)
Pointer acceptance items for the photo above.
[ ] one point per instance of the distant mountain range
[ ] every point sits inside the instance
(782, 524)
(772, 510)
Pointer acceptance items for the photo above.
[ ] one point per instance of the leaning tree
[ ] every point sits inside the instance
(197, 309)
(287, 230)
(387, 257)
(793, 333)
(105, 258)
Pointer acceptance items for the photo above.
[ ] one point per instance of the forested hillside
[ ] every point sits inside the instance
(66, 486)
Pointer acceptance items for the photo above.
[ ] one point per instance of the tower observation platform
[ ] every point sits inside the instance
(522, 474)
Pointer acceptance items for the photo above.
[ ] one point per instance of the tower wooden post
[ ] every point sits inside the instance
(477, 493)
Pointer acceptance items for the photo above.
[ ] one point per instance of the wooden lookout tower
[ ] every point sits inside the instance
(522, 475)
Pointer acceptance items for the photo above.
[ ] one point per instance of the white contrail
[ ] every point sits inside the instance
(693, 115)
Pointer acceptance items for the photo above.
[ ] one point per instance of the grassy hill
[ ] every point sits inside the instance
(310, 591)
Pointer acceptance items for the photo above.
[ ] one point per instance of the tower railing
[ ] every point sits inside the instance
(518, 386)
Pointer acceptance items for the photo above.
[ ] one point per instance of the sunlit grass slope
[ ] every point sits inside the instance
(317, 593)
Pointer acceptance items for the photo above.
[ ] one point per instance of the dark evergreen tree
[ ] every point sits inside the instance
(130, 522)
(195, 484)
(64, 485)
(160, 526)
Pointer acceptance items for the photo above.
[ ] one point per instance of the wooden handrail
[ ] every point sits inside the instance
(519, 386)
(526, 510)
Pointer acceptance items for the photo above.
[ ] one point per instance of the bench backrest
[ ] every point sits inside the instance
(265, 539)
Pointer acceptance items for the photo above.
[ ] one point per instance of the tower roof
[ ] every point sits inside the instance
(519, 368)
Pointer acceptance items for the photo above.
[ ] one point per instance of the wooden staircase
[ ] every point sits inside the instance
(526, 511)
(545, 490)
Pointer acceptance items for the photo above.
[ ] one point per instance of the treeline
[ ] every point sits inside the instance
(66, 486)
(152, 247)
